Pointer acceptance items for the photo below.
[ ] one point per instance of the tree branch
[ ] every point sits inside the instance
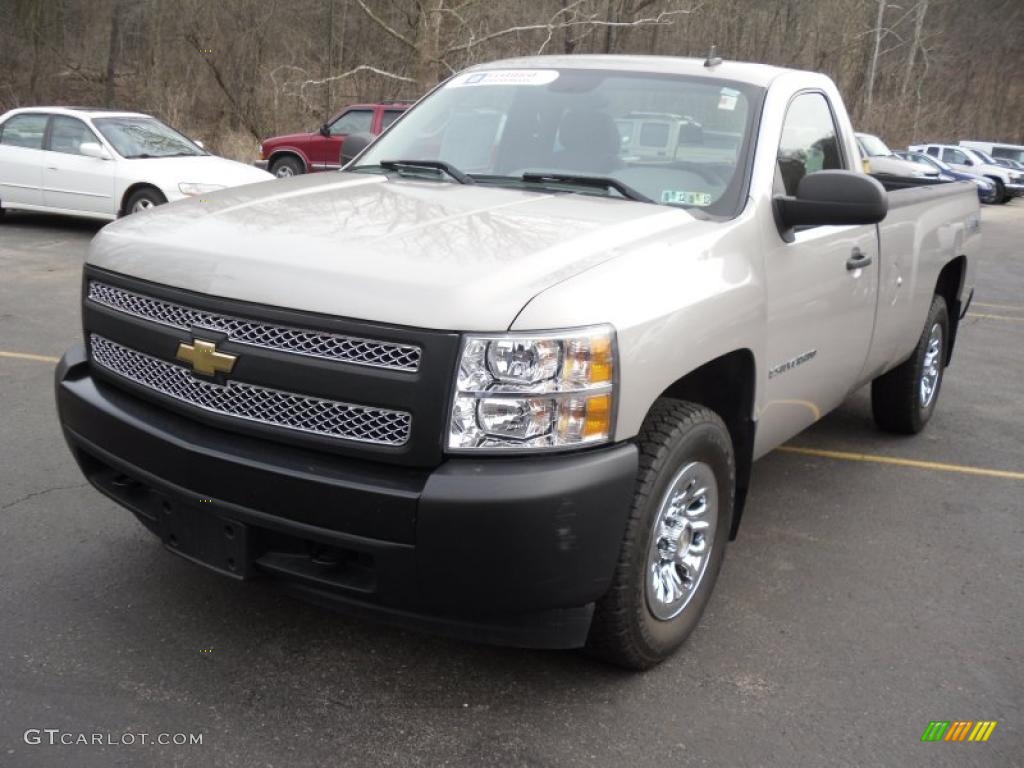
(662, 18)
(385, 26)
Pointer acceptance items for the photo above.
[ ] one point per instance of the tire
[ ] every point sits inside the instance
(142, 199)
(1001, 197)
(287, 165)
(679, 442)
(904, 399)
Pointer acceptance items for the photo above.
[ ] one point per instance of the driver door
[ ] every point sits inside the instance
(72, 181)
(820, 306)
(326, 150)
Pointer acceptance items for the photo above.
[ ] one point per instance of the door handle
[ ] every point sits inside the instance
(51, 168)
(858, 260)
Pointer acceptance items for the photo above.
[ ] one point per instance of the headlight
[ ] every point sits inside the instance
(534, 391)
(195, 188)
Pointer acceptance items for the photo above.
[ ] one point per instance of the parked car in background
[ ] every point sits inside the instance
(1006, 162)
(997, 150)
(102, 163)
(880, 159)
(986, 187)
(319, 150)
(1009, 184)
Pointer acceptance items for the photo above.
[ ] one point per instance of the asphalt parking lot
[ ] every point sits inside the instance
(862, 600)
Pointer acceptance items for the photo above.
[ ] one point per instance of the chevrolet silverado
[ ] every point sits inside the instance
(505, 376)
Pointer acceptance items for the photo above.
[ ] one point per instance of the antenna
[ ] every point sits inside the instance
(713, 59)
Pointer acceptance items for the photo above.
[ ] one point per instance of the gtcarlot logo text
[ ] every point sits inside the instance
(55, 736)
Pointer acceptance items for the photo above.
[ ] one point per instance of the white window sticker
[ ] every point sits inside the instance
(505, 77)
(727, 99)
(685, 198)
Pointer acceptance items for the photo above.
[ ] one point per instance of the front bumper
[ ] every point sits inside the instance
(261, 164)
(507, 551)
(1017, 190)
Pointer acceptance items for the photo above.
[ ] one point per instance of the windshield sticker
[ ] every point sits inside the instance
(727, 99)
(505, 77)
(685, 198)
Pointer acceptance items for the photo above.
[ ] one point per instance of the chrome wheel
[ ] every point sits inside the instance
(932, 368)
(684, 532)
(143, 204)
(283, 171)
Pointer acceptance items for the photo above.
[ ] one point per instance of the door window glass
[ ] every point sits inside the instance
(809, 142)
(353, 121)
(955, 156)
(68, 135)
(389, 116)
(24, 131)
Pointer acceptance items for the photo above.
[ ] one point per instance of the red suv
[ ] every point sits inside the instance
(320, 150)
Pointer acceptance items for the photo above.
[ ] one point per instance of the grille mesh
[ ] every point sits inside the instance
(330, 346)
(254, 403)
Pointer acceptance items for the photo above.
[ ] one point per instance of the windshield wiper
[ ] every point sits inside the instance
(583, 180)
(432, 165)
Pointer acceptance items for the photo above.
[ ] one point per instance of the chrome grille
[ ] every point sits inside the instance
(254, 403)
(330, 346)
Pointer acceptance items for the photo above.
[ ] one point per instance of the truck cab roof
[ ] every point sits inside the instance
(745, 72)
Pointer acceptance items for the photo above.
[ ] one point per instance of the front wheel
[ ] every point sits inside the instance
(675, 537)
(904, 399)
(287, 166)
(144, 199)
(1001, 197)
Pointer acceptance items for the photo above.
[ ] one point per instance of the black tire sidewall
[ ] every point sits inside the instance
(708, 443)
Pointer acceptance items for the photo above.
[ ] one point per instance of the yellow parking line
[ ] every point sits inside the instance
(996, 317)
(27, 356)
(936, 466)
(1011, 307)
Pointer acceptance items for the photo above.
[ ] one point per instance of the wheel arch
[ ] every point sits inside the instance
(277, 154)
(727, 386)
(949, 286)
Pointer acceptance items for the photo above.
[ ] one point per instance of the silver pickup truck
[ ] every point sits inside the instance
(505, 376)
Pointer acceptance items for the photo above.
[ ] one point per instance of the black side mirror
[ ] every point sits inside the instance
(833, 198)
(325, 130)
(353, 145)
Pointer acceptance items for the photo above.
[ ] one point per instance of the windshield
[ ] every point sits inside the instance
(872, 146)
(672, 140)
(135, 137)
(978, 154)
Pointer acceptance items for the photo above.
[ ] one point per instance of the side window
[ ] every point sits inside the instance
(24, 131)
(954, 156)
(68, 134)
(389, 116)
(809, 141)
(933, 151)
(353, 121)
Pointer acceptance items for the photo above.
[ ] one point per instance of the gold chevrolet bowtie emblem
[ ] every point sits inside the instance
(204, 357)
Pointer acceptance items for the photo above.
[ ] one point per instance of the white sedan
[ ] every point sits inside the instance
(103, 164)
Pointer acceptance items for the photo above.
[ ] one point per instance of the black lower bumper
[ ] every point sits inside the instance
(507, 551)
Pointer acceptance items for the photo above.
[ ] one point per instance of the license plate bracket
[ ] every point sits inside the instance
(199, 533)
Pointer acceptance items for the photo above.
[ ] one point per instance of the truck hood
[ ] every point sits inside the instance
(426, 254)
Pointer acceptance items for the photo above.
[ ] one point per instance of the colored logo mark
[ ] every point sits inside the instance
(958, 730)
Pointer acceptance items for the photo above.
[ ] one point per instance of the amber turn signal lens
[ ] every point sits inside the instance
(597, 422)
